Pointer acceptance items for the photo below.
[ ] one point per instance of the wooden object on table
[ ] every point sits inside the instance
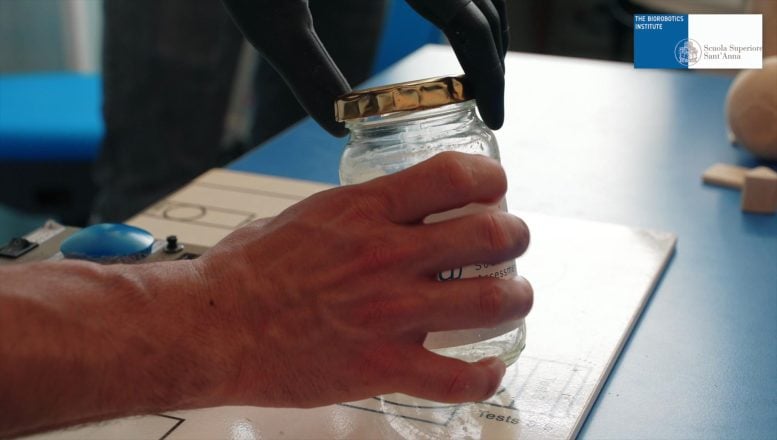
(759, 194)
(751, 109)
(722, 174)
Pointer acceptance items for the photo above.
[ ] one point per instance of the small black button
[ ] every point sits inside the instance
(17, 247)
(172, 245)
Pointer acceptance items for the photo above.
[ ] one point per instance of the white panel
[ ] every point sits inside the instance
(725, 40)
(591, 282)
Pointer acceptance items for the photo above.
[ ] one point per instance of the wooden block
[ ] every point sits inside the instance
(722, 174)
(759, 194)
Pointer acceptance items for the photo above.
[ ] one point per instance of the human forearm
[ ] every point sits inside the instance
(328, 302)
(83, 342)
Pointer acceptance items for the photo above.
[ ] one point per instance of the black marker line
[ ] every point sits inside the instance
(177, 424)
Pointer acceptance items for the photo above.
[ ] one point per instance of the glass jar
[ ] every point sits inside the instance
(397, 126)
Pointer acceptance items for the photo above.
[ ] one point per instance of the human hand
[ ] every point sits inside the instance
(331, 300)
(282, 30)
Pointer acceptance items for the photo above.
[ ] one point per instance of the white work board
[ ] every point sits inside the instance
(591, 281)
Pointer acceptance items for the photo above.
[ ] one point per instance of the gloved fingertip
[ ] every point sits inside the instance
(335, 128)
(496, 124)
(493, 117)
(490, 101)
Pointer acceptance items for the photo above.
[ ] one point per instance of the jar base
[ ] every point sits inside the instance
(507, 347)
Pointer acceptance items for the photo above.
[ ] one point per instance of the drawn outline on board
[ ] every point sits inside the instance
(572, 370)
(177, 424)
(168, 206)
(166, 209)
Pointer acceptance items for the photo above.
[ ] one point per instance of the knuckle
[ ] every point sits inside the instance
(377, 254)
(381, 252)
(459, 176)
(489, 10)
(384, 316)
(325, 205)
(457, 385)
(378, 358)
(496, 232)
(491, 301)
(363, 203)
(383, 202)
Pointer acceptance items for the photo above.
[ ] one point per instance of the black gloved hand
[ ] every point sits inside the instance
(478, 33)
(282, 31)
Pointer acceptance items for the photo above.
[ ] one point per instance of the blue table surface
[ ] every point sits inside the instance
(603, 141)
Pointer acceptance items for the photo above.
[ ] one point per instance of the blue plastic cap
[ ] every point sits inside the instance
(108, 243)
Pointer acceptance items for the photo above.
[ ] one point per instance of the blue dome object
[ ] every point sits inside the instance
(108, 243)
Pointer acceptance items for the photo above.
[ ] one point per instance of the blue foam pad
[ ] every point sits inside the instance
(109, 243)
(50, 116)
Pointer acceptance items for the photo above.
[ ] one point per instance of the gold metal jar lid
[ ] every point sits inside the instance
(407, 96)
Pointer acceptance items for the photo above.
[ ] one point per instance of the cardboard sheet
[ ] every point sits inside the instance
(591, 282)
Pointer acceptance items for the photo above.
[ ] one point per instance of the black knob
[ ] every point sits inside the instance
(172, 245)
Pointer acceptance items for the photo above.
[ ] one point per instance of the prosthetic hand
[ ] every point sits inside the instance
(478, 33)
(282, 31)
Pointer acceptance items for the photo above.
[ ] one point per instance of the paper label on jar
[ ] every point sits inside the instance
(505, 269)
